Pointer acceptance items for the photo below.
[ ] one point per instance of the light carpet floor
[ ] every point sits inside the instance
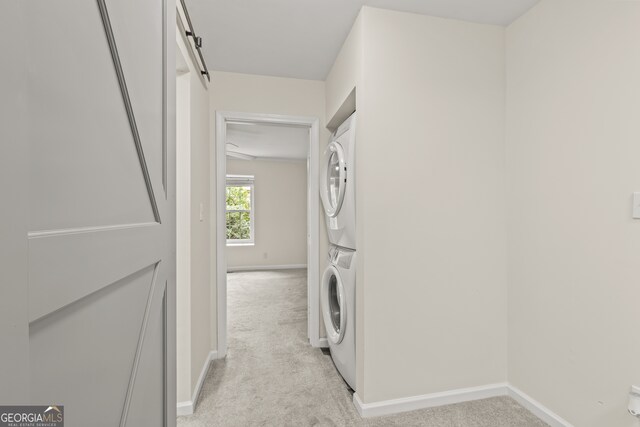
(273, 377)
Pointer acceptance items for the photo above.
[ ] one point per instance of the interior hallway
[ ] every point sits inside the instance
(273, 377)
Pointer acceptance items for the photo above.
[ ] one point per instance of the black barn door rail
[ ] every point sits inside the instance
(197, 41)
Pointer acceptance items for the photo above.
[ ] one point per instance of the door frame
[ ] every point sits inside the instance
(219, 164)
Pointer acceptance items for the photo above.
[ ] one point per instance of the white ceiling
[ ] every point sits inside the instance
(268, 141)
(301, 38)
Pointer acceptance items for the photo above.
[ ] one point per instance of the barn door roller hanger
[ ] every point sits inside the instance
(183, 13)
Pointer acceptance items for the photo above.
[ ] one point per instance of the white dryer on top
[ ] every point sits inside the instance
(337, 185)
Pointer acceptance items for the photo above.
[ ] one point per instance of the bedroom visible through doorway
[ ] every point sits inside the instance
(267, 205)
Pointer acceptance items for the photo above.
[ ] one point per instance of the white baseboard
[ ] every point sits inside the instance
(266, 267)
(537, 409)
(394, 406)
(188, 407)
(184, 408)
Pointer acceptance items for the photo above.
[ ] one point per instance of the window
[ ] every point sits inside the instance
(240, 222)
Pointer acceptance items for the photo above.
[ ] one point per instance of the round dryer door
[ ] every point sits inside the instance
(333, 180)
(334, 305)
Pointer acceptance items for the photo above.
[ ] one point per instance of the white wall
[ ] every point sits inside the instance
(573, 96)
(194, 254)
(183, 237)
(201, 259)
(280, 210)
(345, 74)
(275, 95)
(430, 202)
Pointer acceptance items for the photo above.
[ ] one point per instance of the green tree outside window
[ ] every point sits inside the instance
(239, 212)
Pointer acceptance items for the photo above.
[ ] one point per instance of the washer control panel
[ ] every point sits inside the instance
(343, 259)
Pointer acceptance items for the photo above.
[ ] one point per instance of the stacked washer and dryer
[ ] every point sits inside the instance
(338, 288)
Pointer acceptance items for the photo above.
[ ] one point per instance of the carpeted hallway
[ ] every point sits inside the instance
(273, 377)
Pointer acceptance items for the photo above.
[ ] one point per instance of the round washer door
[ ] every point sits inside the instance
(334, 305)
(333, 180)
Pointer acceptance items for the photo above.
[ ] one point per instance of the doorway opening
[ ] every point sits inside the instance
(236, 224)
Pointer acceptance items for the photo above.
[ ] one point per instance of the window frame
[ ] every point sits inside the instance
(242, 181)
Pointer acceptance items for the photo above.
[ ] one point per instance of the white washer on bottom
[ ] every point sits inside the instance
(338, 298)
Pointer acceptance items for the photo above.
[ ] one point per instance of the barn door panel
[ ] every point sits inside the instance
(100, 223)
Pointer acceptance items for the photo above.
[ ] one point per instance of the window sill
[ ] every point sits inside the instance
(241, 244)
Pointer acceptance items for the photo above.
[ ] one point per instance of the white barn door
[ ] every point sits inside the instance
(101, 208)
